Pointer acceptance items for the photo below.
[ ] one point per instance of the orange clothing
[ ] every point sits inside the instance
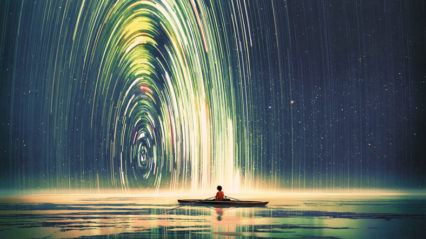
(219, 196)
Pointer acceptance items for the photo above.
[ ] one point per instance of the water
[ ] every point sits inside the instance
(159, 216)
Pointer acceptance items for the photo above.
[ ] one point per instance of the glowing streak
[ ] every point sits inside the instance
(199, 23)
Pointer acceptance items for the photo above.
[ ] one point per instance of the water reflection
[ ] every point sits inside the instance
(86, 215)
(219, 212)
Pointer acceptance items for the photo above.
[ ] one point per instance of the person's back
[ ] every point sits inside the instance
(220, 194)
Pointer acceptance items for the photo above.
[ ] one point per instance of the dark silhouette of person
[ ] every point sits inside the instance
(220, 194)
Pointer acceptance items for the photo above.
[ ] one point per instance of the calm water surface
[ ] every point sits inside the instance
(286, 216)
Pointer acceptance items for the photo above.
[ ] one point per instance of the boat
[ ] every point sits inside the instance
(224, 202)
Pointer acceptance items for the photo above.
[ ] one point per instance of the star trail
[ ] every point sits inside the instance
(190, 94)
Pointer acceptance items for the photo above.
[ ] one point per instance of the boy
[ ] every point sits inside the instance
(220, 194)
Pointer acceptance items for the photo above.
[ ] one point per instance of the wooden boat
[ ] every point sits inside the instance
(224, 202)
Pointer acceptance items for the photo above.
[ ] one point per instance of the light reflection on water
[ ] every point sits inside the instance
(67, 216)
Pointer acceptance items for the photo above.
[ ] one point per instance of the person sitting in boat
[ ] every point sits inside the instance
(220, 195)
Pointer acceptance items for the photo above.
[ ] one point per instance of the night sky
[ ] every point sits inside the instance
(189, 94)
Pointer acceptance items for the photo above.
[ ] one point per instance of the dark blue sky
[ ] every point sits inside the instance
(355, 72)
(336, 95)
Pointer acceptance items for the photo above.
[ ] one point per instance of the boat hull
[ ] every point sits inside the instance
(227, 203)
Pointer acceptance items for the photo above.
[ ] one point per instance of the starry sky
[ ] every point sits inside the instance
(296, 94)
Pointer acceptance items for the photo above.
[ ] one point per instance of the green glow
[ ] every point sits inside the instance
(165, 100)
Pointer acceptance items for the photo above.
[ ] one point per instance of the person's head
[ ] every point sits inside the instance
(219, 188)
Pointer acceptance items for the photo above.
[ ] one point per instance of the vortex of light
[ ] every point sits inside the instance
(161, 93)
